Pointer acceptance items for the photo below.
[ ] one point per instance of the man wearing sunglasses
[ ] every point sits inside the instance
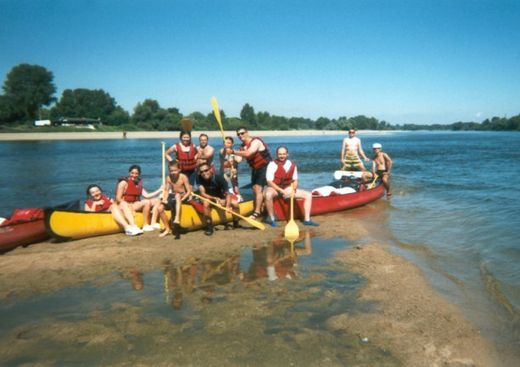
(256, 152)
(214, 187)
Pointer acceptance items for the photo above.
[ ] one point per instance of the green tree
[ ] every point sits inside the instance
(247, 114)
(29, 87)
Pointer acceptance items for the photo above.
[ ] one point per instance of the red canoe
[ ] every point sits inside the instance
(328, 204)
(26, 226)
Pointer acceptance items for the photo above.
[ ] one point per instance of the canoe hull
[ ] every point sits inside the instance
(22, 234)
(65, 225)
(328, 204)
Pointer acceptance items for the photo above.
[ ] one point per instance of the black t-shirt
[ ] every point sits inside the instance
(216, 186)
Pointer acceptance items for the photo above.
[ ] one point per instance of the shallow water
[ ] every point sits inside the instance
(455, 210)
(226, 305)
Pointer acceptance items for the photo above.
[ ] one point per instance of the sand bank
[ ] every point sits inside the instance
(170, 135)
(410, 322)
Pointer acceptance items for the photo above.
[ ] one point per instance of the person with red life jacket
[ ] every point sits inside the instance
(186, 155)
(282, 179)
(256, 153)
(128, 195)
(99, 202)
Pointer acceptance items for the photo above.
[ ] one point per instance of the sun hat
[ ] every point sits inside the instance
(376, 145)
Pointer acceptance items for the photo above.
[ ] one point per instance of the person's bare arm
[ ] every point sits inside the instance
(169, 151)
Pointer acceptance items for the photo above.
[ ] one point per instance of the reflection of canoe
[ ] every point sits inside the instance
(328, 204)
(26, 227)
(65, 225)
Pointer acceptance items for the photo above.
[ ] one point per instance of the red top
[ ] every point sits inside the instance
(100, 207)
(281, 177)
(133, 191)
(186, 160)
(260, 158)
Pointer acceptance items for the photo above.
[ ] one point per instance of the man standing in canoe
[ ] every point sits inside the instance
(256, 152)
(186, 155)
(381, 166)
(351, 150)
(282, 179)
(214, 187)
(128, 194)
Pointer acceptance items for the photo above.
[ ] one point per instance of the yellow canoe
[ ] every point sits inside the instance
(65, 225)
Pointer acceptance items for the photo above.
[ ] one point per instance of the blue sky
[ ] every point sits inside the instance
(400, 61)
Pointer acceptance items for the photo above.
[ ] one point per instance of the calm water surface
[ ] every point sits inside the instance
(455, 210)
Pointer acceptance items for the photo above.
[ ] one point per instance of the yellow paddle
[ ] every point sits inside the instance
(216, 112)
(165, 192)
(292, 232)
(253, 222)
(187, 124)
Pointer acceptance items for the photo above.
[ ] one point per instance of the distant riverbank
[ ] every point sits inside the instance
(164, 134)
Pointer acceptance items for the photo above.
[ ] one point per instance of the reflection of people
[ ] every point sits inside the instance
(381, 166)
(351, 150)
(136, 278)
(181, 190)
(129, 192)
(256, 152)
(178, 282)
(98, 202)
(186, 155)
(215, 188)
(228, 165)
(282, 180)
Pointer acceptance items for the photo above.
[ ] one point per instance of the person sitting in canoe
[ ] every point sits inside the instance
(351, 150)
(99, 202)
(205, 152)
(180, 188)
(381, 166)
(282, 179)
(186, 155)
(215, 188)
(228, 166)
(128, 196)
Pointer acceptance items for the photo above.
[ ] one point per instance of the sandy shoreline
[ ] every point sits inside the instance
(163, 134)
(411, 321)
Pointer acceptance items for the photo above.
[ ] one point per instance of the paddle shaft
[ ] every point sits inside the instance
(164, 196)
(216, 112)
(248, 220)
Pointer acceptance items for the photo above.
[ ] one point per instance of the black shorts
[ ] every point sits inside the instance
(258, 176)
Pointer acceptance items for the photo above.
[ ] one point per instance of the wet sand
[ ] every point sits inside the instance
(410, 321)
(159, 134)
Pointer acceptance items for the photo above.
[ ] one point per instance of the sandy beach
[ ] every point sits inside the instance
(163, 134)
(410, 321)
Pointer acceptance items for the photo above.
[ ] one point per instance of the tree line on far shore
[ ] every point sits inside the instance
(29, 94)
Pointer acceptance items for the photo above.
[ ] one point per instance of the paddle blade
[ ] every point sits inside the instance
(291, 232)
(187, 124)
(216, 110)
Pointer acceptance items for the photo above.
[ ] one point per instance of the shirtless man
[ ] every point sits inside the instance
(381, 166)
(256, 152)
(351, 150)
(180, 186)
(205, 151)
(128, 195)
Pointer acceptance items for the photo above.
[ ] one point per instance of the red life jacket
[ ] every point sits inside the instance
(260, 158)
(282, 178)
(133, 192)
(100, 207)
(186, 160)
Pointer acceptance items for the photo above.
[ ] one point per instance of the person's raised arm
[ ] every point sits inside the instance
(169, 151)
(253, 148)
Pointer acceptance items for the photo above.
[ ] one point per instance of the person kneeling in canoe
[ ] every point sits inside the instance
(128, 195)
(180, 188)
(99, 202)
(214, 187)
(282, 179)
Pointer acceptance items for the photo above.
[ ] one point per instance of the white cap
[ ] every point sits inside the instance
(376, 145)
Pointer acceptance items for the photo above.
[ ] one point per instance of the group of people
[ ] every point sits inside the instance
(192, 166)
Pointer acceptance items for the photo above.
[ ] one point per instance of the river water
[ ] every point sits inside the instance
(455, 211)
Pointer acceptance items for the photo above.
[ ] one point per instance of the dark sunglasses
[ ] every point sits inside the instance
(241, 133)
(204, 171)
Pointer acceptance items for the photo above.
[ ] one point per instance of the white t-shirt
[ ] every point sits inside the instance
(272, 167)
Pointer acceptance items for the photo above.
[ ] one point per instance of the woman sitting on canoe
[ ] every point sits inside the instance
(128, 195)
(99, 202)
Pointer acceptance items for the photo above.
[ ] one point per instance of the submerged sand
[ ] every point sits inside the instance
(410, 325)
